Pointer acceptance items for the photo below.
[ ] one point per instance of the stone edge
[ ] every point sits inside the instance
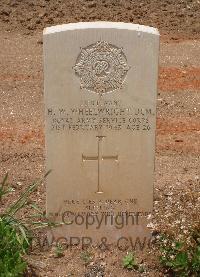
(100, 25)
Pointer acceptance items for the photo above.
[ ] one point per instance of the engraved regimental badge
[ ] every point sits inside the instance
(101, 67)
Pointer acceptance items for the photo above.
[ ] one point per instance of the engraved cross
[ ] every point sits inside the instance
(99, 157)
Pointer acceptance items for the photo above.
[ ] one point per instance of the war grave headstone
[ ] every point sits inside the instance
(100, 81)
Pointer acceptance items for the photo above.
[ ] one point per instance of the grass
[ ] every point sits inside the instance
(129, 262)
(180, 258)
(15, 233)
(179, 245)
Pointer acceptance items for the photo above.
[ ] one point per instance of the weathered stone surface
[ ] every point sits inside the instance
(100, 106)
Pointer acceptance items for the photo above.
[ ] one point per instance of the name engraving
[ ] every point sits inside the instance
(96, 116)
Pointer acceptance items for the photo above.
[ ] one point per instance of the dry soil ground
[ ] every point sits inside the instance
(22, 119)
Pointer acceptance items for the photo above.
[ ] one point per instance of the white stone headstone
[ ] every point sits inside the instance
(100, 115)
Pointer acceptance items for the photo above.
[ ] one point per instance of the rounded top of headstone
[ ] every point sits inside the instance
(100, 25)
